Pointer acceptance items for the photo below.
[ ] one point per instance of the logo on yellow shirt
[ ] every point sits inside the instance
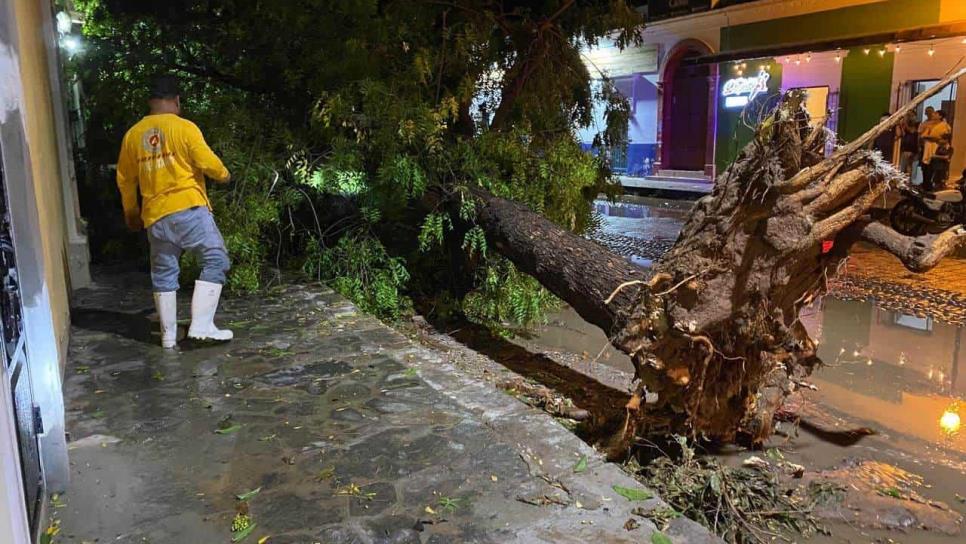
(152, 140)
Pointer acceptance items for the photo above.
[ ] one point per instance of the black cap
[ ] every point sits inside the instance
(165, 86)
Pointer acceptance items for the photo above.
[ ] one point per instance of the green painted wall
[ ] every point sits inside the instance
(825, 25)
(866, 91)
(733, 133)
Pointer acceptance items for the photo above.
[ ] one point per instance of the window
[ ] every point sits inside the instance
(912, 322)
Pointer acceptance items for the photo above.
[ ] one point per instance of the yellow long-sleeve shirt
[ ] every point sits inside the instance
(167, 158)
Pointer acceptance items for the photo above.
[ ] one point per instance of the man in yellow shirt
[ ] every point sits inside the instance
(166, 159)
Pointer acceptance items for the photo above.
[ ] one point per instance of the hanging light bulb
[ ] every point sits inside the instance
(866, 50)
(898, 48)
(838, 56)
(882, 52)
(964, 40)
(932, 50)
(808, 57)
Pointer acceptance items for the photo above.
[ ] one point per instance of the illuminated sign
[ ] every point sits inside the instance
(739, 91)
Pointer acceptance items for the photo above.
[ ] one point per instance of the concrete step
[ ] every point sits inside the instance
(680, 187)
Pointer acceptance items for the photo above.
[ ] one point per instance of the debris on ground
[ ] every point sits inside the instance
(878, 495)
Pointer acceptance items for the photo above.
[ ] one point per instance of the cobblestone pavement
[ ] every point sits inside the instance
(350, 432)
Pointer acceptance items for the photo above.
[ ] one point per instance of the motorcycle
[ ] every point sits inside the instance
(922, 212)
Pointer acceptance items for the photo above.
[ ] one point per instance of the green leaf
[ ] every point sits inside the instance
(657, 537)
(581, 465)
(248, 494)
(238, 536)
(715, 483)
(633, 494)
(228, 430)
(891, 492)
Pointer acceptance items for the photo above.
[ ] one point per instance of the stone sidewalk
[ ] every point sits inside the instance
(350, 432)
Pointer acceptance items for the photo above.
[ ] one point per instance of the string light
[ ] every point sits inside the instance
(838, 56)
(808, 57)
(898, 48)
(932, 50)
(882, 52)
(867, 50)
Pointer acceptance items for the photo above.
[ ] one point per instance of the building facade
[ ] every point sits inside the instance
(708, 68)
(43, 256)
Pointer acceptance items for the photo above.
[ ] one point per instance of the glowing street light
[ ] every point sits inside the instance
(72, 44)
(950, 421)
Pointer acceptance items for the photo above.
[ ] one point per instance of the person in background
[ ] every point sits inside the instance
(931, 133)
(939, 165)
(929, 120)
(908, 143)
(164, 157)
(885, 143)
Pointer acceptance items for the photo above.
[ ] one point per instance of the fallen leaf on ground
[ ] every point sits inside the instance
(228, 430)
(238, 536)
(248, 494)
(633, 494)
(657, 537)
(581, 465)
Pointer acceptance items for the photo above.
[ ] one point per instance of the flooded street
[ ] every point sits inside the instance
(891, 375)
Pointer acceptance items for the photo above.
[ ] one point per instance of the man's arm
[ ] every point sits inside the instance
(127, 184)
(203, 158)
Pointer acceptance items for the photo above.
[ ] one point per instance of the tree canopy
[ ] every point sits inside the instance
(357, 131)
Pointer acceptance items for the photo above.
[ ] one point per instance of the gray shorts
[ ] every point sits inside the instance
(193, 230)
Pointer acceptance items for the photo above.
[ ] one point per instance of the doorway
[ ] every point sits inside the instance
(686, 123)
(14, 366)
(944, 101)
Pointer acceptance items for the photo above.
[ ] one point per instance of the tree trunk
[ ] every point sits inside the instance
(713, 329)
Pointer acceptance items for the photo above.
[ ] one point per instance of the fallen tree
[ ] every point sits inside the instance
(713, 328)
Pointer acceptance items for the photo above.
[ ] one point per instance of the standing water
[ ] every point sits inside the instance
(885, 406)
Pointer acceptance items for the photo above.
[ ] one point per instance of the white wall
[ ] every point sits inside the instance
(642, 128)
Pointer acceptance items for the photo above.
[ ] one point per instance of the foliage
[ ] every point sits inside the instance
(739, 504)
(397, 110)
(359, 267)
(506, 298)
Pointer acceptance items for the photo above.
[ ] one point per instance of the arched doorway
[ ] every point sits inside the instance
(687, 121)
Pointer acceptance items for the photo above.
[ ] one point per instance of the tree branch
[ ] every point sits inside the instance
(917, 253)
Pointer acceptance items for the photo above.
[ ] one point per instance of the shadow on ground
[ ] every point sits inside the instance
(133, 326)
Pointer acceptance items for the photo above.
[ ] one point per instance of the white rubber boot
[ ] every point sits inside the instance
(167, 305)
(204, 303)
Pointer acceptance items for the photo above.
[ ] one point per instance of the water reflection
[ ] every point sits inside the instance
(643, 217)
(899, 371)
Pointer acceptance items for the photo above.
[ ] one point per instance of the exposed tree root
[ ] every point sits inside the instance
(722, 346)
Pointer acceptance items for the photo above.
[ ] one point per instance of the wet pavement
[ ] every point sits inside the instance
(337, 428)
